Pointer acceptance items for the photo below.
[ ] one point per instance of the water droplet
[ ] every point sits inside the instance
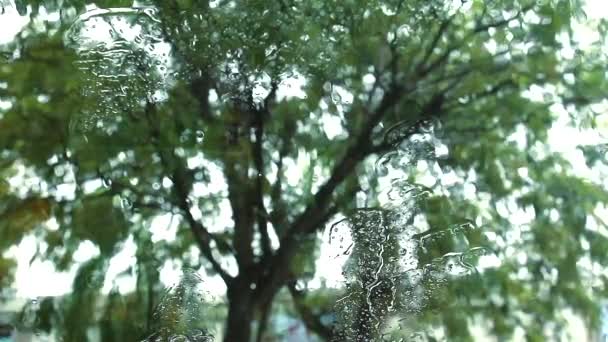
(180, 312)
(119, 73)
(335, 96)
(200, 135)
(126, 203)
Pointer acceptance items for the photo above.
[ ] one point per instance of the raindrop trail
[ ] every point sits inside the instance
(376, 281)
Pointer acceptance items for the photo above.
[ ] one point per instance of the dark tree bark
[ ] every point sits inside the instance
(264, 315)
(240, 311)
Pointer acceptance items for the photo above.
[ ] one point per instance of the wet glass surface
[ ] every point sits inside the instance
(379, 170)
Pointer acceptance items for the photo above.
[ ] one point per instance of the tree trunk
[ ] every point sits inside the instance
(264, 314)
(240, 311)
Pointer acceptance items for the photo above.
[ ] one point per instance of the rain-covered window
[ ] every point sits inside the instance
(290, 170)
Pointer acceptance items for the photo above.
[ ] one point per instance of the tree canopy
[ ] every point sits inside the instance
(411, 135)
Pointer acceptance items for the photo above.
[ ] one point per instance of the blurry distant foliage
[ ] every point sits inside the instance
(113, 115)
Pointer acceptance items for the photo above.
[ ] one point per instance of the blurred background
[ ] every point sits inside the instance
(303, 171)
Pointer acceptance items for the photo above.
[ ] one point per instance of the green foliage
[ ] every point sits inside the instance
(97, 220)
(189, 119)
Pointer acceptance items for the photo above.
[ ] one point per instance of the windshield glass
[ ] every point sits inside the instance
(355, 170)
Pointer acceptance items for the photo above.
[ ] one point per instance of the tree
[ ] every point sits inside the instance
(128, 111)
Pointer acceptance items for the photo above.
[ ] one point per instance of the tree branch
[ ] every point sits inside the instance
(310, 319)
(242, 204)
(316, 213)
(353, 155)
(278, 216)
(265, 310)
(423, 71)
(503, 22)
(258, 160)
(200, 233)
(360, 147)
(440, 32)
(490, 91)
(200, 86)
